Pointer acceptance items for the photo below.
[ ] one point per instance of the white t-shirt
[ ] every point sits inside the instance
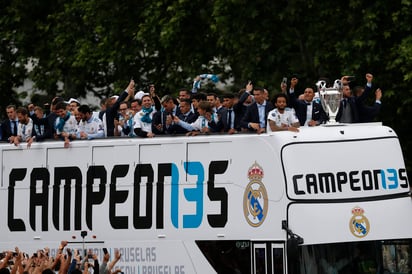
(70, 126)
(288, 117)
(25, 130)
(93, 127)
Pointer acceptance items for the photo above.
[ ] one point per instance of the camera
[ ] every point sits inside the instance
(284, 80)
(351, 78)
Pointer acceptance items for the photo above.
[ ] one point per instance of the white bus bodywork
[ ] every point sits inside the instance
(170, 203)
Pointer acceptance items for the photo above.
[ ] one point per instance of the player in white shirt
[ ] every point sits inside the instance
(90, 126)
(24, 128)
(282, 117)
(143, 118)
(65, 125)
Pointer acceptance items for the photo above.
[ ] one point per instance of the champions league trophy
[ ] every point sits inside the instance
(330, 98)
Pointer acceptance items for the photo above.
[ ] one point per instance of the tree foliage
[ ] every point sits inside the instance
(78, 46)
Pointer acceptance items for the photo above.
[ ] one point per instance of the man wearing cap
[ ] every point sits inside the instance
(143, 119)
(73, 104)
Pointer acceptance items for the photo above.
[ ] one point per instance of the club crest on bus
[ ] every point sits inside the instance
(255, 199)
(359, 224)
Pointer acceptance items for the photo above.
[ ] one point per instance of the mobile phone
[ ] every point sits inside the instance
(105, 250)
(90, 256)
(284, 80)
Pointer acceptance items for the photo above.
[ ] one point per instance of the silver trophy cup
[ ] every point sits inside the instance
(330, 98)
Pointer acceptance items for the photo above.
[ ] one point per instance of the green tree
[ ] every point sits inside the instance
(77, 46)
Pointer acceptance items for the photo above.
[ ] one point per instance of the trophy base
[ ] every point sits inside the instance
(332, 124)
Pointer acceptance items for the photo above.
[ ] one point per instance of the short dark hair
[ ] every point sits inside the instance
(57, 100)
(84, 109)
(188, 101)
(22, 110)
(275, 99)
(61, 105)
(212, 94)
(199, 96)
(135, 100)
(185, 90)
(259, 89)
(228, 95)
(4, 270)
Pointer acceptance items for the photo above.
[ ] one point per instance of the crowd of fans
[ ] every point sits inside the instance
(140, 114)
(66, 261)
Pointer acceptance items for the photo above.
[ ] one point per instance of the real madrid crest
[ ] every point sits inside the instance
(359, 224)
(255, 199)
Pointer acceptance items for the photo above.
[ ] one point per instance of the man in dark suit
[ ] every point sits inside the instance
(349, 106)
(185, 114)
(162, 120)
(255, 118)
(230, 115)
(367, 113)
(112, 107)
(348, 110)
(10, 125)
(308, 111)
(42, 129)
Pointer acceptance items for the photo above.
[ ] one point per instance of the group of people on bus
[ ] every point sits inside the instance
(143, 114)
(65, 261)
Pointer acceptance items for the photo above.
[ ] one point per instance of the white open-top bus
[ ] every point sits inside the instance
(330, 199)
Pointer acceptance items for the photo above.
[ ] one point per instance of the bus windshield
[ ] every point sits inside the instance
(357, 257)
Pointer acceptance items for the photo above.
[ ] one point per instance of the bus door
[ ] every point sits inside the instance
(268, 258)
